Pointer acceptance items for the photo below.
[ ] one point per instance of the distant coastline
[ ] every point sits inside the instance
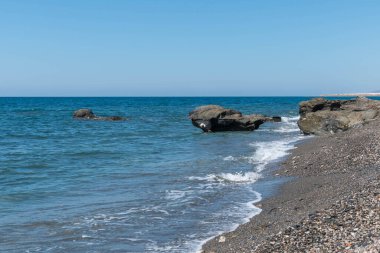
(369, 94)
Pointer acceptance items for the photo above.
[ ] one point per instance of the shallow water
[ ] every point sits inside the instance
(153, 183)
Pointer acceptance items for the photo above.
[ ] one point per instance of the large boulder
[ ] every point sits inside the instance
(214, 118)
(88, 114)
(320, 116)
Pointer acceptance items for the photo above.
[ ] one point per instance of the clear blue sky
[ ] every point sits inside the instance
(188, 48)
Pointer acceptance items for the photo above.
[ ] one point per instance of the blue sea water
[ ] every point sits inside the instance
(153, 183)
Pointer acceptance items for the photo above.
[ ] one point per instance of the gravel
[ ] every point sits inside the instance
(331, 205)
(350, 223)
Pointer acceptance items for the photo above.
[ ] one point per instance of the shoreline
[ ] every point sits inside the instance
(272, 181)
(324, 170)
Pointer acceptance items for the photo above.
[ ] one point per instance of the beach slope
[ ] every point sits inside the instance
(332, 203)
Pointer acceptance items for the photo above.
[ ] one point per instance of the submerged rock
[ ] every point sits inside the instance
(214, 118)
(320, 116)
(88, 114)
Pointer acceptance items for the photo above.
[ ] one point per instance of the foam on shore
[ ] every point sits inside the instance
(254, 210)
(265, 153)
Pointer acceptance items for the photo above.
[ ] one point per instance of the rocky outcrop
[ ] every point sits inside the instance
(88, 114)
(320, 116)
(84, 114)
(214, 118)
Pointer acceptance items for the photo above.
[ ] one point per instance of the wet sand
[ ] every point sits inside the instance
(335, 180)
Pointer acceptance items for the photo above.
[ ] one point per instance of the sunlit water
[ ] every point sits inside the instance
(153, 183)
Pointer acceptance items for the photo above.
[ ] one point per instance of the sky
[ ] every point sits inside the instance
(188, 48)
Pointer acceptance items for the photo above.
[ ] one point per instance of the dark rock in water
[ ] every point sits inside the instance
(276, 119)
(115, 118)
(84, 114)
(214, 118)
(320, 116)
(88, 114)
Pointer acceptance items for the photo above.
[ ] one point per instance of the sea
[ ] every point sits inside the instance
(152, 183)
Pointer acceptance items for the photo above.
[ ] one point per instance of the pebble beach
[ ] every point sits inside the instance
(330, 204)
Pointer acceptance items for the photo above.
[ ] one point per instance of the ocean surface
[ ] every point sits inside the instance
(153, 183)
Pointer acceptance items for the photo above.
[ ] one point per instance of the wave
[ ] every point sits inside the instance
(229, 158)
(268, 152)
(244, 212)
(238, 177)
(290, 119)
(174, 194)
(248, 208)
(264, 153)
(288, 125)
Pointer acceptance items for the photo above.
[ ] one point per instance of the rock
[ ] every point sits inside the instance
(320, 116)
(276, 119)
(115, 118)
(88, 114)
(84, 113)
(222, 239)
(214, 118)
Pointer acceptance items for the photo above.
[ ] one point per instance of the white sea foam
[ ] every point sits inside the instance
(288, 125)
(193, 244)
(239, 177)
(286, 129)
(174, 194)
(251, 211)
(290, 119)
(229, 158)
(267, 152)
(264, 154)
(134, 239)
(248, 177)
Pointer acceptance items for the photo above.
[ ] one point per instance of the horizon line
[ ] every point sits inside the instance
(195, 96)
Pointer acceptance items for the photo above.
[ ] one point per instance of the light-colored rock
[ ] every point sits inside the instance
(320, 116)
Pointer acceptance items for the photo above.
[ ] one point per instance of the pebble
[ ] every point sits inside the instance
(222, 239)
(352, 224)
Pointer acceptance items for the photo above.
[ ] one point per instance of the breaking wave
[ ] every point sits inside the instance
(288, 125)
(238, 177)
